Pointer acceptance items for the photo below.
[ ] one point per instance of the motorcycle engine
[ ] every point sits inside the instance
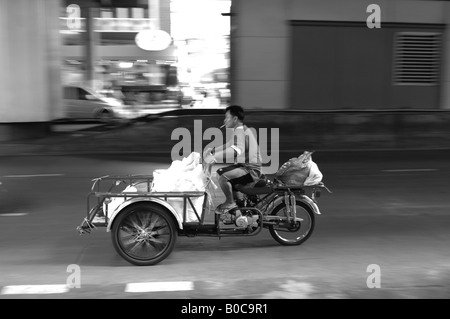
(227, 218)
(242, 221)
(245, 221)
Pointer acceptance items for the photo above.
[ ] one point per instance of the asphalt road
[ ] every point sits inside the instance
(383, 233)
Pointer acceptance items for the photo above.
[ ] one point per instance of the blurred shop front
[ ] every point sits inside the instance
(103, 49)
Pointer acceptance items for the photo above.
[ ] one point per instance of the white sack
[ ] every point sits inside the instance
(182, 176)
(315, 176)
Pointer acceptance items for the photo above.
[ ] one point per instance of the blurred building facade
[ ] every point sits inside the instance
(321, 54)
(93, 43)
(103, 52)
(286, 54)
(98, 42)
(30, 66)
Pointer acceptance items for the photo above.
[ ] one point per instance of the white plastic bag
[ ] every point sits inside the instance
(182, 176)
(163, 180)
(315, 175)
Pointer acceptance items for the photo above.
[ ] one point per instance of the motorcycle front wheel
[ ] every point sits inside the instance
(292, 233)
(144, 234)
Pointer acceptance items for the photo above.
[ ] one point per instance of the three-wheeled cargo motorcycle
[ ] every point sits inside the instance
(144, 225)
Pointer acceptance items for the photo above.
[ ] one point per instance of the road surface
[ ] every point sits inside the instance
(383, 233)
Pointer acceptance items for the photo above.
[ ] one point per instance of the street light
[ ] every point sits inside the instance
(153, 39)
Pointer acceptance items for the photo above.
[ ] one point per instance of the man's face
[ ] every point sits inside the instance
(230, 120)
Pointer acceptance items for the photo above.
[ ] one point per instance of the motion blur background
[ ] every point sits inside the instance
(317, 63)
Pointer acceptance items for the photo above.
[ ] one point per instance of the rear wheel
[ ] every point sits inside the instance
(293, 233)
(144, 234)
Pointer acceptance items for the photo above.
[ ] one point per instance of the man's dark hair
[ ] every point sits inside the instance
(236, 110)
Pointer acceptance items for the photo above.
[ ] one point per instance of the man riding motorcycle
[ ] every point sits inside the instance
(242, 152)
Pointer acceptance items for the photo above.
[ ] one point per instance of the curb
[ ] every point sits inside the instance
(34, 150)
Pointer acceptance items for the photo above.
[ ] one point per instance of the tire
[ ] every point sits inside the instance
(144, 234)
(295, 234)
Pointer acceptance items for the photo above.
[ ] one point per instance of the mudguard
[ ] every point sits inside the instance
(303, 198)
(144, 199)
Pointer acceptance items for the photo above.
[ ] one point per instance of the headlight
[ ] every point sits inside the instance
(113, 102)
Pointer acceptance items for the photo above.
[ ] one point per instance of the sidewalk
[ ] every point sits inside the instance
(297, 132)
(77, 144)
(44, 146)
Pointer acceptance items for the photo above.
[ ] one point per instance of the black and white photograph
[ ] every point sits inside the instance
(224, 158)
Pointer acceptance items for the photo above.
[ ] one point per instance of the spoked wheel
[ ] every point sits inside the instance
(144, 234)
(293, 233)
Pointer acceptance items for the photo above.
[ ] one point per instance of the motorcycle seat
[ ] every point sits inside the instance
(262, 186)
(293, 188)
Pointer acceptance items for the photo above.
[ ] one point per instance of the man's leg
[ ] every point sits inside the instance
(228, 176)
(238, 195)
(227, 189)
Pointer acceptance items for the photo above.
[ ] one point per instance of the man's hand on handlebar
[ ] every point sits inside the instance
(207, 152)
(209, 159)
(208, 162)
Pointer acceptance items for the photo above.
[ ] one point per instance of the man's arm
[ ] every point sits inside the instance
(218, 150)
(223, 155)
(233, 148)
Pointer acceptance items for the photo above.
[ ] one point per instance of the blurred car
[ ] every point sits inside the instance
(84, 103)
(151, 96)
